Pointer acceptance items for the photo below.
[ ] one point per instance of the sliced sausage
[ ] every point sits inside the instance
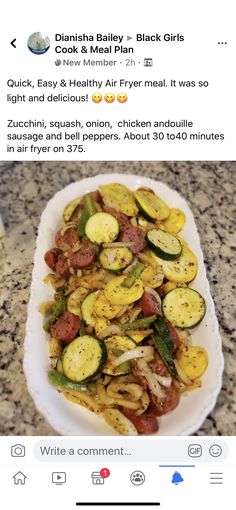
(66, 240)
(158, 367)
(97, 196)
(146, 423)
(62, 267)
(134, 235)
(66, 327)
(150, 305)
(51, 258)
(123, 221)
(161, 406)
(83, 258)
(160, 290)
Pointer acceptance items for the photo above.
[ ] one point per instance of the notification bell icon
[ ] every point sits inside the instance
(177, 478)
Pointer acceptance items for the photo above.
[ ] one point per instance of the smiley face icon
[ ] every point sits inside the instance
(215, 450)
(109, 97)
(97, 97)
(122, 97)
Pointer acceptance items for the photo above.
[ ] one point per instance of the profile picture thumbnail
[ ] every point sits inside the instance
(38, 43)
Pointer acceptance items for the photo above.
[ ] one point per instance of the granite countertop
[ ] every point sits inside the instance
(25, 188)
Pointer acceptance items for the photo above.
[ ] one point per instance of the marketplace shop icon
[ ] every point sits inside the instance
(38, 43)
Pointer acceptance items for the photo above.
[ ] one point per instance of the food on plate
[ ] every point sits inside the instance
(119, 324)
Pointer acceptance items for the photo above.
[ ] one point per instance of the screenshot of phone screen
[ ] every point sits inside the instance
(117, 255)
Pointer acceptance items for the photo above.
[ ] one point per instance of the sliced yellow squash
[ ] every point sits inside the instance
(181, 270)
(183, 242)
(75, 299)
(152, 277)
(100, 324)
(118, 295)
(175, 221)
(151, 206)
(55, 348)
(119, 197)
(171, 285)
(193, 360)
(139, 337)
(104, 308)
(70, 209)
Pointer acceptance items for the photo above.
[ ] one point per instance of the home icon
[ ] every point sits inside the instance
(19, 478)
(97, 478)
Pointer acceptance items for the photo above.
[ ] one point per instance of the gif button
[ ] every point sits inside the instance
(195, 450)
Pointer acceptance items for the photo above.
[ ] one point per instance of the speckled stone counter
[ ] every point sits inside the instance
(25, 189)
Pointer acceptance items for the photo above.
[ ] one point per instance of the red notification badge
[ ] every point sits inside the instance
(104, 472)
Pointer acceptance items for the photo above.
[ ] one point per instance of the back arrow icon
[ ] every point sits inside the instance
(13, 43)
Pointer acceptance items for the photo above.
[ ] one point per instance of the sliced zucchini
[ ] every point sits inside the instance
(193, 360)
(183, 307)
(75, 299)
(175, 222)
(119, 295)
(58, 379)
(116, 345)
(101, 228)
(70, 209)
(115, 259)
(87, 308)
(83, 358)
(119, 197)
(104, 308)
(151, 206)
(165, 245)
(181, 270)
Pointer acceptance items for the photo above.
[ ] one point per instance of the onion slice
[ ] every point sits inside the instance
(111, 330)
(138, 352)
(154, 294)
(154, 385)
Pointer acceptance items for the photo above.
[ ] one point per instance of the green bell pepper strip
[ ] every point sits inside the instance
(165, 353)
(61, 381)
(139, 323)
(89, 210)
(135, 274)
(89, 204)
(163, 331)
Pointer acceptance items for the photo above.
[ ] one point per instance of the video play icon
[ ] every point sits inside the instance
(58, 478)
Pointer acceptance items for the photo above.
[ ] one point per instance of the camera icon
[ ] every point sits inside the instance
(18, 450)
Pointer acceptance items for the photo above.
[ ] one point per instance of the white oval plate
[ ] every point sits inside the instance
(68, 418)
